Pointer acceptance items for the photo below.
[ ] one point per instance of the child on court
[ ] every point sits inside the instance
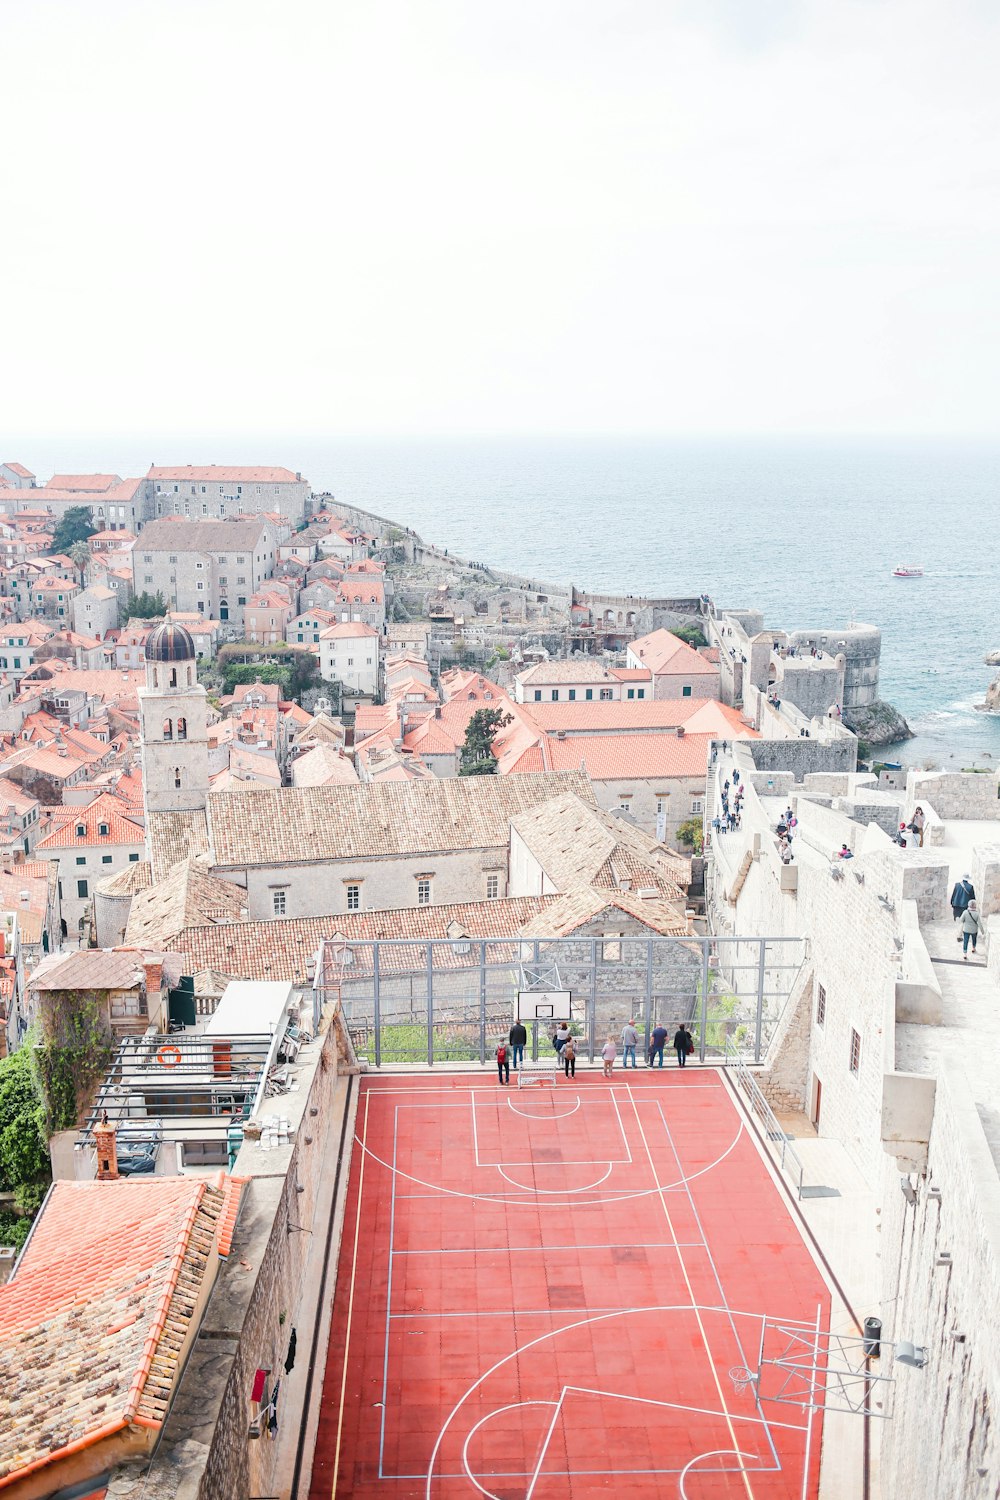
(568, 1055)
(503, 1062)
(608, 1054)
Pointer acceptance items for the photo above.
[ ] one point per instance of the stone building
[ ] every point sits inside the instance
(204, 567)
(221, 491)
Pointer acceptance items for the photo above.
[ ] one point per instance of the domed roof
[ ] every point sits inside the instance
(170, 642)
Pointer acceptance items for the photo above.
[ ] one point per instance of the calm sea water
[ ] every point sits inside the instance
(808, 532)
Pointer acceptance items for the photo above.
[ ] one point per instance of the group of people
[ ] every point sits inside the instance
(965, 909)
(914, 827)
(510, 1053)
(732, 804)
(785, 828)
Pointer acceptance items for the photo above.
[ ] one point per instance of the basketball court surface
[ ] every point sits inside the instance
(554, 1292)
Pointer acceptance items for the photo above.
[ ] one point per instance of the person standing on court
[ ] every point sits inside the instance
(657, 1043)
(963, 893)
(630, 1040)
(517, 1038)
(608, 1054)
(683, 1044)
(568, 1055)
(503, 1062)
(562, 1036)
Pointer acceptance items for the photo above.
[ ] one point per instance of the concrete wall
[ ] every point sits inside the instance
(320, 889)
(954, 794)
(803, 756)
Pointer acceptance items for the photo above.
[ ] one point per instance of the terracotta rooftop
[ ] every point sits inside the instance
(19, 470)
(241, 534)
(576, 668)
(666, 655)
(173, 836)
(224, 474)
(105, 1292)
(186, 897)
(306, 824)
(579, 845)
(105, 810)
(631, 757)
(706, 715)
(84, 483)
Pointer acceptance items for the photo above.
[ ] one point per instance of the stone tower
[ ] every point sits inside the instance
(173, 719)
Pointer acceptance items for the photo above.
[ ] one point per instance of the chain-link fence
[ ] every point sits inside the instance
(409, 1001)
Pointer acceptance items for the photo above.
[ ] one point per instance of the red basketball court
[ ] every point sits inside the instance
(544, 1293)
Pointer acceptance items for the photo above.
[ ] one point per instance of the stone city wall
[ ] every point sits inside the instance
(941, 1276)
(955, 794)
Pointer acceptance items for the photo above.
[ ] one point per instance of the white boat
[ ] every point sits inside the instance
(903, 570)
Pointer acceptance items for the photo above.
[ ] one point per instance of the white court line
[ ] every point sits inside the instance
(684, 1307)
(491, 1090)
(704, 1336)
(713, 1453)
(548, 1249)
(514, 1406)
(715, 1271)
(388, 1300)
(527, 1114)
(625, 1160)
(501, 1199)
(586, 1187)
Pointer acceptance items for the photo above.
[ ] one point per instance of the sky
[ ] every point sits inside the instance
(368, 217)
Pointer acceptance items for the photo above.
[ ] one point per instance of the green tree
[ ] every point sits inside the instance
(690, 835)
(74, 525)
(477, 752)
(80, 554)
(691, 634)
(24, 1161)
(145, 606)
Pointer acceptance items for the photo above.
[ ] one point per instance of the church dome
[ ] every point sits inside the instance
(170, 642)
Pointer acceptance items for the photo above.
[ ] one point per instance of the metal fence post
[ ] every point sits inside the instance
(482, 1002)
(378, 1007)
(649, 994)
(706, 944)
(592, 1018)
(760, 997)
(430, 1005)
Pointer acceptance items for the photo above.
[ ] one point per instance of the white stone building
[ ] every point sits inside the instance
(350, 653)
(218, 491)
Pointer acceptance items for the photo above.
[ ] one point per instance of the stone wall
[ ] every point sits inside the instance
(955, 794)
(985, 874)
(804, 756)
(943, 1439)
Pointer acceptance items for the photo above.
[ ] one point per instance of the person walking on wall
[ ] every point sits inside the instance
(608, 1054)
(683, 1044)
(963, 893)
(503, 1063)
(973, 926)
(568, 1055)
(657, 1044)
(630, 1040)
(917, 825)
(517, 1038)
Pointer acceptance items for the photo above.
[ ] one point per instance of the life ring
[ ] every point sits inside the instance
(168, 1057)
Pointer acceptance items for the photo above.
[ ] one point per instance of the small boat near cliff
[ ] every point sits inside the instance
(907, 570)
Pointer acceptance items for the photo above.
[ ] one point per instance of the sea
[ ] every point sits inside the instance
(808, 531)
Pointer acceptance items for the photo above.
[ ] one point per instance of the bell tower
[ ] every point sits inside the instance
(174, 724)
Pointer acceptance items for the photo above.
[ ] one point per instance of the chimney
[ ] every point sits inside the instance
(154, 976)
(680, 731)
(107, 1150)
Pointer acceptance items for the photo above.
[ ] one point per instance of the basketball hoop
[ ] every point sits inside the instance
(741, 1378)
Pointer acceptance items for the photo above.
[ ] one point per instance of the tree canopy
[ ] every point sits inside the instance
(24, 1161)
(74, 525)
(477, 751)
(145, 606)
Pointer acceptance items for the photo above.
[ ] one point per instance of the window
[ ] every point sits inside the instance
(182, 729)
(81, 859)
(631, 692)
(423, 892)
(177, 776)
(223, 581)
(241, 599)
(492, 887)
(81, 830)
(611, 952)
(605, 695)
(106, 859)
(103, 829)
(201, 587)
(571, 695)
(82, 890)
(172, 559)
(696, 804)
(855, 1052)
(686, 690)
(821, 1006)
(133, 859)
(538, 695)
(241, 578)
(278, 903)
(640, 693)
(661, 803)
(353, 897)
(589, 694)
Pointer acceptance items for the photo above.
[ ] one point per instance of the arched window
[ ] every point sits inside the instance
(173, 676)
(177, 776)
(182, 729)
(168, 729)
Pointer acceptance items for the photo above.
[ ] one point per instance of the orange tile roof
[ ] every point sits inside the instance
(631, 757)
(105, 809)
(667, 655)
(636, 714)
(347, 630)
(95, 483)
(233, 1189)
(19, 470)
(107, 1284)
(368, 591)
(223, 474)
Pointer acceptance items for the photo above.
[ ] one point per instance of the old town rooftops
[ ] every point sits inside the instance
(261, 826)
(240, 533)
